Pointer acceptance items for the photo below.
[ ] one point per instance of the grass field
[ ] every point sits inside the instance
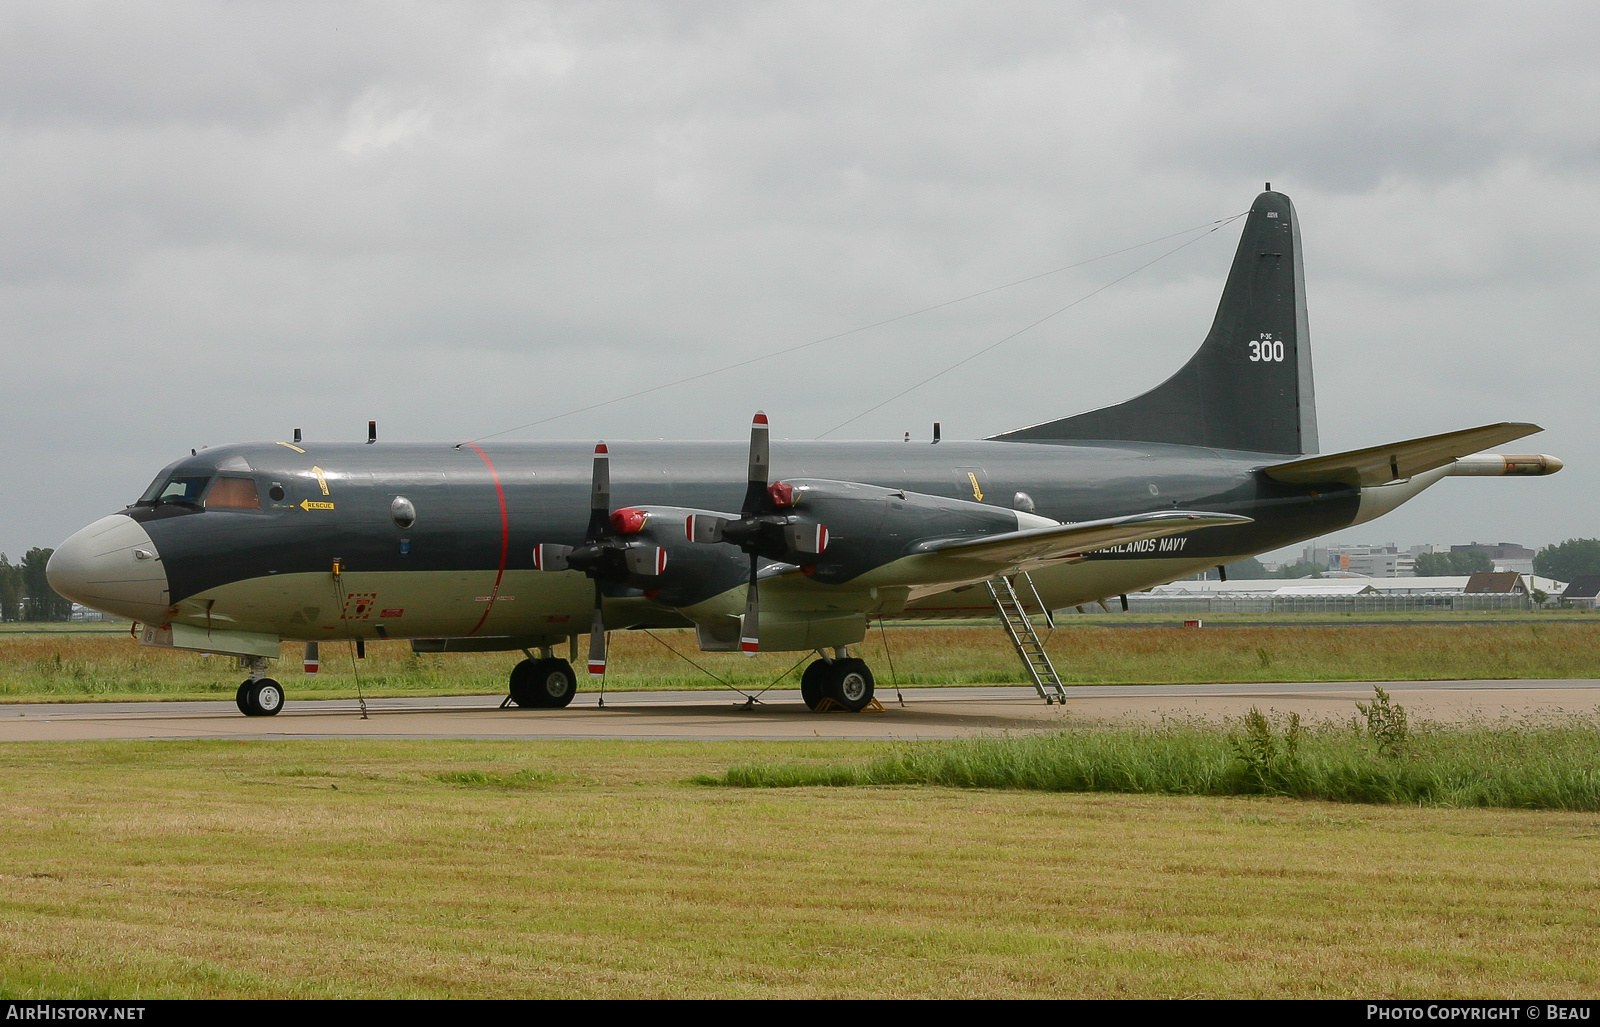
(469, 869)
(109, 665)
(1549, 765)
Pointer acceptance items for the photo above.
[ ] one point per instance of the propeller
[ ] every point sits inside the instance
(608, 555)
(764, 528)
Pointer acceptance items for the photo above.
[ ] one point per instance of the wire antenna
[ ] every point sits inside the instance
(1029, 327)
(1211, 225)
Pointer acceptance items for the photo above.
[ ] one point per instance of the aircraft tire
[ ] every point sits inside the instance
(543, 684)
(522, 684)
(849, 683)
(556, 684)
(811, 683)
(239, 699)
(263, 698)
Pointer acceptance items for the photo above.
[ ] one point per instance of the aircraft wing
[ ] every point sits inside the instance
(1380, 465)
(1034, 547)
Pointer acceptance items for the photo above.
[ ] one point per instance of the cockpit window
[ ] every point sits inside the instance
(182, 488)
(233, 494)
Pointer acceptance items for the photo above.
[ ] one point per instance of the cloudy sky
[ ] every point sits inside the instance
(222, 221)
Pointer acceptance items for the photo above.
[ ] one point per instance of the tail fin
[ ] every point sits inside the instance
(1249, 385)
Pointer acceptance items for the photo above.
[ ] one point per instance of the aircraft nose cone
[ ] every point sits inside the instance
(111, 566)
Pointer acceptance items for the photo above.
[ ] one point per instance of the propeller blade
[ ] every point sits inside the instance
(807, 538)
(704, 527)
(600, 493)
(597, 636)
(755, 493)
(750, 628)
(548, 557)
(647, 561)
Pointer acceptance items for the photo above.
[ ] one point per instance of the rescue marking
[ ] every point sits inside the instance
(322, 481)
(286, 445)
(976, 493)
(306, 504)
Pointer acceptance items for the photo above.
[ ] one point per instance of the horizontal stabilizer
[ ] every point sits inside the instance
(1380, 465)
(1033, 547)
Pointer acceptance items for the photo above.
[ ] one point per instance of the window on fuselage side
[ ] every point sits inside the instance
(233, 494)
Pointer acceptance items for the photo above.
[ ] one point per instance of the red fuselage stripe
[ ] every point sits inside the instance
(505, 539)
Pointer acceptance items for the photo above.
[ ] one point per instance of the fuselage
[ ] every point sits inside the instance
(250, 541)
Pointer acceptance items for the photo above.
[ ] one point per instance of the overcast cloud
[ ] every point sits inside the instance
(222, 221)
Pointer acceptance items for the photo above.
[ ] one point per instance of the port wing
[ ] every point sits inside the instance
(1379, 465)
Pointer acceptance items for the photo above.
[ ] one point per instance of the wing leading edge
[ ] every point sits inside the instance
(1379, 465)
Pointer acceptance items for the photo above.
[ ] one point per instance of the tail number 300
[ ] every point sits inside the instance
(1266, 348)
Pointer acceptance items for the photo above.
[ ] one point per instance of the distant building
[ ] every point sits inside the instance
(1584, 591)
(1496, 582)
(1505, 556)
(1385, 561)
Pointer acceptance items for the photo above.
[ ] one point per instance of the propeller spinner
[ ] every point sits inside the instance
(607, 554)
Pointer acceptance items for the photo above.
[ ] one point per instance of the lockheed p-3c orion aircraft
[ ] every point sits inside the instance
(788, 546)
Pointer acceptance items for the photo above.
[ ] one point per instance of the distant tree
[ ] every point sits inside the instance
(10, 590)
(1248, 569)
(1449, 565)
(1300, 569)
(44, 602)
(1569, 559)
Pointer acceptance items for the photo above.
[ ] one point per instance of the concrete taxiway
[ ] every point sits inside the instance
(926, 713)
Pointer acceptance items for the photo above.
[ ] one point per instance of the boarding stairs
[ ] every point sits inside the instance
(1024, 639)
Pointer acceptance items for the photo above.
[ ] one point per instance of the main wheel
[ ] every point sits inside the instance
(811, 683)
(240, 700)
(849, 683)
(522, 684)
(543, 684)
(262, 698)
(555, 683)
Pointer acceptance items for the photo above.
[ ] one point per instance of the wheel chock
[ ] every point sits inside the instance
(827, 705)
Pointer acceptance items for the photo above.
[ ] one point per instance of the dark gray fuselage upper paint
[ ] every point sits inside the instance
(482, 509)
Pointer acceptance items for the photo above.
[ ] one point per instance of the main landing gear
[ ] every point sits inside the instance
(844, 679)
(544, 683)
(258, 695)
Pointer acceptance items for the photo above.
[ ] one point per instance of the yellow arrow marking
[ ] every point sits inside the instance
(321, 480)
(306, 504)
(976, 494)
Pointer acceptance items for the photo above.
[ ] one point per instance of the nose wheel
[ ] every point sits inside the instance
(260, 698)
